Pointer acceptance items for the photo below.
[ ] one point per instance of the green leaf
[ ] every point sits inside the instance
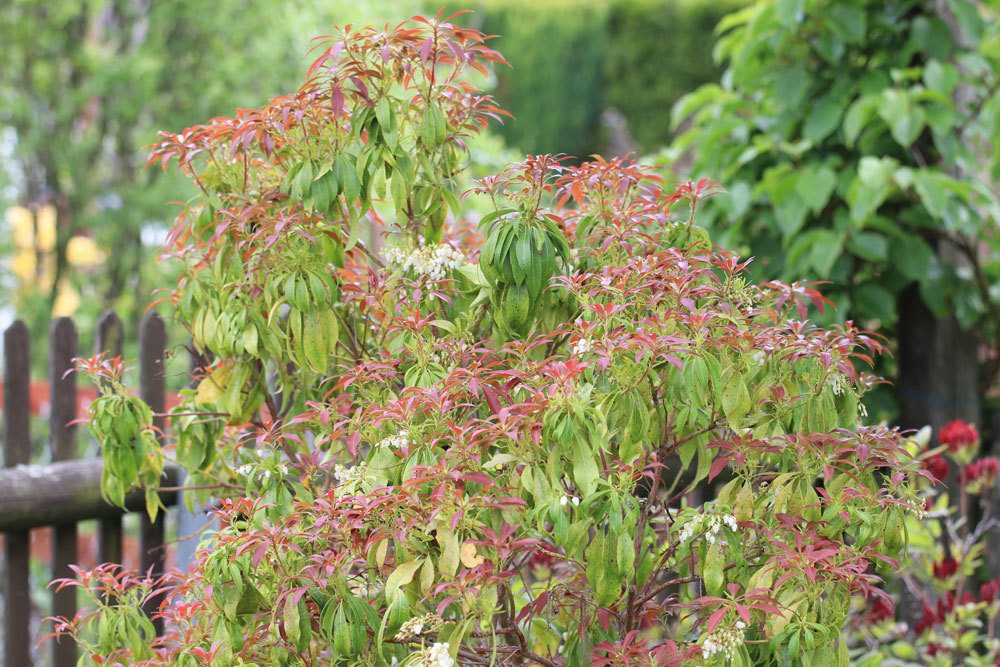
(789, 12)
(905, 119)
(875, 301)
(791, 84)
(857, 117)
(815, 185)
(847, 20)
(450, 550)
(347, 176)
(713, 572)
(940, 77)
(969, 18)
(823, 118)
(826, 248)
(911, 256)
(869, 245)
(401, 576)
(735, 400)
(585, 471)
(384, 114)
(791, 216)
(933, 194)
(870, 187)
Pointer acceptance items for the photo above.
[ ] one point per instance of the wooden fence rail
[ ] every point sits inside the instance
(67, 490)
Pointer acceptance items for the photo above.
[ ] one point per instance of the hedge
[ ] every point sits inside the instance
(570, 59)
(556, 49)
(659, 50)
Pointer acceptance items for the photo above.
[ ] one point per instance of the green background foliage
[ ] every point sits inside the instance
(849, 153)
(657, 52)
(553, 87)
(571, 59)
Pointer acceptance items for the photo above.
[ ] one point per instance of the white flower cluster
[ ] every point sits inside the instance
(413, 628)
(435, 263)
(438, 656)
(712, 524)
(582, 346)
(565, 500)
(724, 640)
(247, 470)
(398, 441)
(838, 383)
(364, 589)
(349, 475)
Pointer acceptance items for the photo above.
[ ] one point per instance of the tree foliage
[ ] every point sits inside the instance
(856, 140)
(476, 447)
(85, 85)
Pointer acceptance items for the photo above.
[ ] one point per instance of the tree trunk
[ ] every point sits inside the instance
(937, 382)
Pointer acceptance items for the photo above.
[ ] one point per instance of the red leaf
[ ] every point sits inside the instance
(718, 465)
(716, 618)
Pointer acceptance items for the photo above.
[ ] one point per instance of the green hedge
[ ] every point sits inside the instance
(659, 50)
(573, 58)
(556, 49)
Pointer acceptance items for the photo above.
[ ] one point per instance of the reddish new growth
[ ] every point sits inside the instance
(958, 435)
(981, 475)
(938, 467)
(880, 610)
(490, 465)
(100, 367)
(937, 614)
(946, 568)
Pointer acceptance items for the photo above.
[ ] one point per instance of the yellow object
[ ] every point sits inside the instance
(23, 265)
(82, 251)
(212, 386)
(33, 235)
(22, 227)
(45, 228)
(67, 301)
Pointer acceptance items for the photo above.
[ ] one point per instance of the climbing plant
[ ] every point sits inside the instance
(855, 139)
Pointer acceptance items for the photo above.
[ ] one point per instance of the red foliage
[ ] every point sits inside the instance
(981, 474)
(958, 435)
(946, 568)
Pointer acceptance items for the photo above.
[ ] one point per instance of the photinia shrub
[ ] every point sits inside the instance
(487, 446)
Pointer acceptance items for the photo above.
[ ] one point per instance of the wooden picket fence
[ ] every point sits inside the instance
(67, 490)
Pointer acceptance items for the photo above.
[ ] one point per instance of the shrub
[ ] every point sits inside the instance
(427, 459)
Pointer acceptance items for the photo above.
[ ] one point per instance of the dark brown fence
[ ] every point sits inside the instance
(67, 490)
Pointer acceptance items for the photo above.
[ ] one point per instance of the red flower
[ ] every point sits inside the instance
(958, 435)
(937, 466)
(934, 615)
(927, 621)
(880, 610)
(980, 475)
(989, 591)
(945, 568)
